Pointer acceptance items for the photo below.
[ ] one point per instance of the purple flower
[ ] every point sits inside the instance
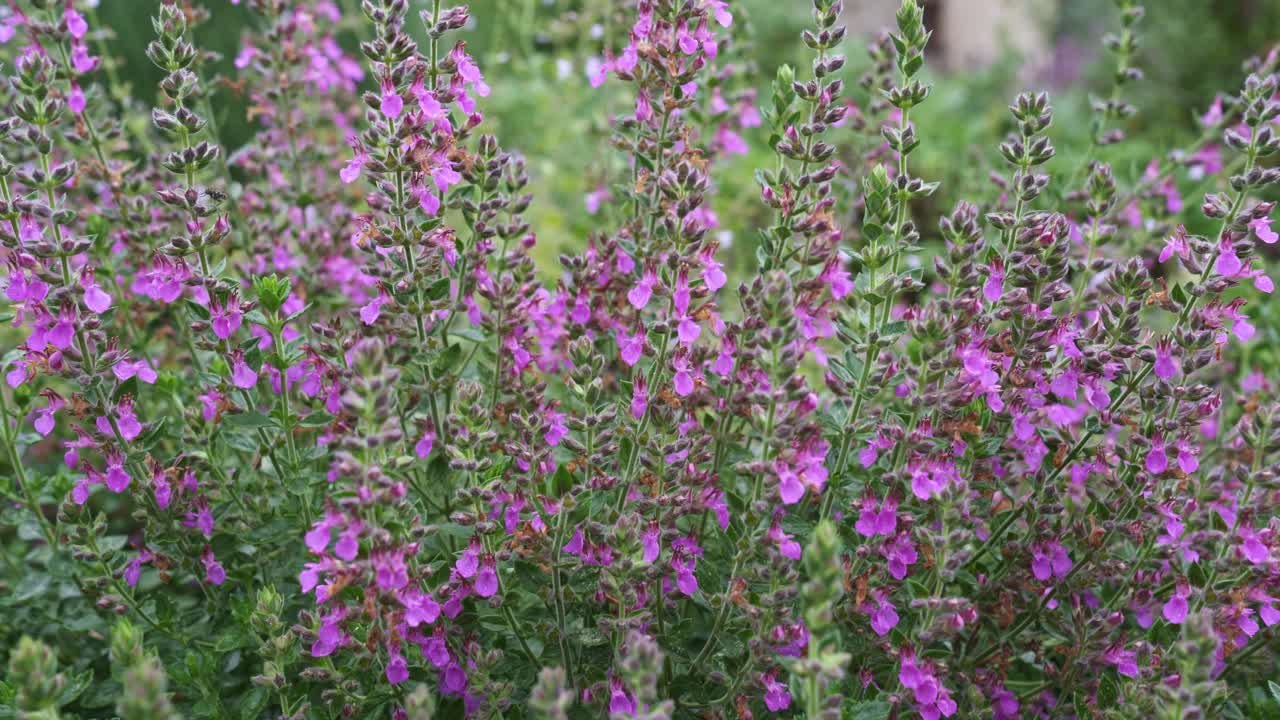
(1262, 228)
(392, 104)
(620, 701)
(1165, 367)
(242, 376)
(993, 289)
(1175, 608)
(467, 563)
(1050, 560)
(639, 295)
(1125, 661)
(397, 668)
(884, 618)
(486, 582)
(422, 448)
(76, 24)
(116, 477)
(1157, 462)
(213, 572)
(1228, 264)
(776, 695)
(650, 542)
(872, 522)
(225, 319)
(688, 330)
(95, 298)
(631, 347)
(787, 546)
(683, 377)
(1252, 546)
(639, 397)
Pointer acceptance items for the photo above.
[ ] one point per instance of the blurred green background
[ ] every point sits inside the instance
(533, 54)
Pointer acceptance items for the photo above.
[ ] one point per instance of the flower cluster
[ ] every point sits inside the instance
(312, 414)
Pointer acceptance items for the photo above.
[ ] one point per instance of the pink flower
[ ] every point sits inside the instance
(1126, 661)
(76, 24)
(683, 377)
(884, 618)
(639, 397)
(75, 99)
(1050, 560)
(1262, 228)
(621, 703)
(1176, 244)
(712, 271)
(787, 546)
(776, 695)
(126, 420)
(631, 347)
(44, 421)
(1228, 264)
(688, 330)
(371, 310)
(225, 319)
(1213, 115)
(351, 170)
(730, 142)
(214, 574)
(1157, 461)
(790, 488)
(133, 571)
(422, 448)
(649, 541)
(639, 295)
(397, 668)
(686, 581)
(872, 522)
(720, 9)
(392, 104)
(1175, 609)
(595, 199)
(993, 289)
(486, 582)
(81, 60)
(1252, 546)
(242, 376)
(556, 428)
(1165, 367)
(468, 70)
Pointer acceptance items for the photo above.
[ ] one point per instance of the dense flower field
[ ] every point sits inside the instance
(302, 430)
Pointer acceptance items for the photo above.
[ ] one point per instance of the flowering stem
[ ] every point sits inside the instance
(557, 589)
(433, 44)
(20, 477)
(873, 339)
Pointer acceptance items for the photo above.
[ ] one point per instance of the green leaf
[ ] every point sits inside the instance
(254, 704)
(867, 710)
(439, 289)
(893, 329)
(75, 688)
(33, 585)
(1108, 691)
(252, 419)
(562, 482)
(317, 419)
(448, 359)
(1275, 690)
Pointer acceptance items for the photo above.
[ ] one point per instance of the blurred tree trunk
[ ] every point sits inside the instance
(970, 34)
